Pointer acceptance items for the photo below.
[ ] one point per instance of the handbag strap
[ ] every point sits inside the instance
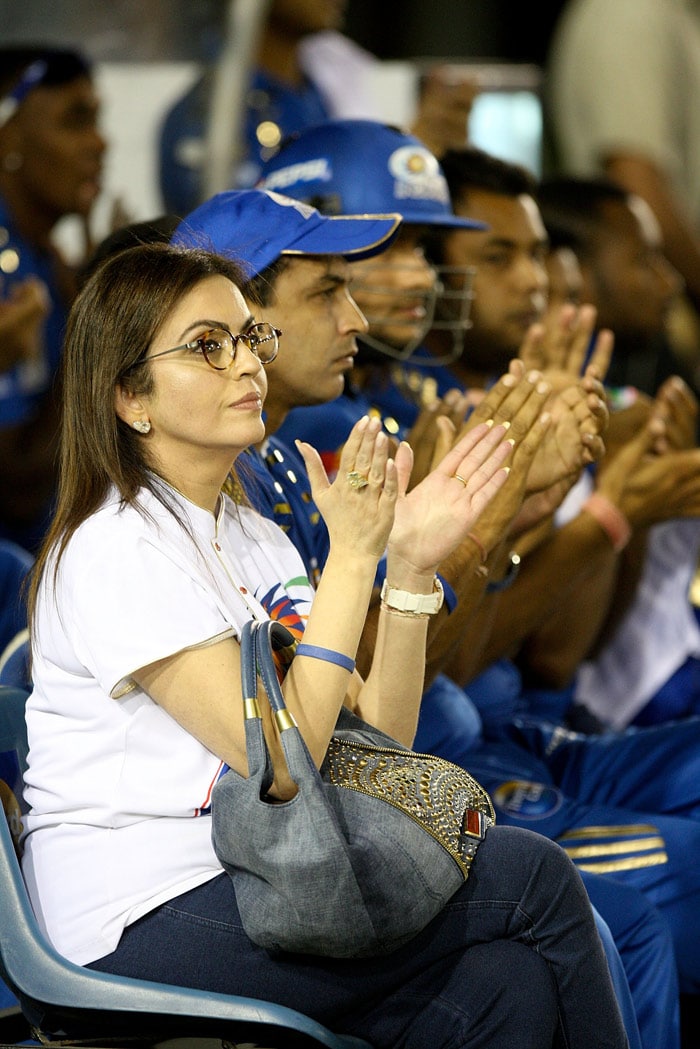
(259, 764)
(256, 657)
(270, 635)
(258, 639)
(249, 678)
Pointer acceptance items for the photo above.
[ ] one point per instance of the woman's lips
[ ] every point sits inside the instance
(251, 401)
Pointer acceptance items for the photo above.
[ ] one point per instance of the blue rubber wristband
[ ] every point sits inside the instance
(328, 655)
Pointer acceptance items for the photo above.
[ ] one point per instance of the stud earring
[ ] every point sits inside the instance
(141, 425)
(12, 161)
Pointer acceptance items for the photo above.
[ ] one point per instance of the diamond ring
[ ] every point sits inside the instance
(356, 480)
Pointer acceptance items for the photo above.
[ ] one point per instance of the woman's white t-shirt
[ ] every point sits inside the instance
(118, 792)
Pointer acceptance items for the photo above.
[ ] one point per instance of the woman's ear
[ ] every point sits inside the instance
(130, 408)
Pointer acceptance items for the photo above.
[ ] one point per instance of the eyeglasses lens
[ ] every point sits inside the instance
(262, 340)
(218, 346)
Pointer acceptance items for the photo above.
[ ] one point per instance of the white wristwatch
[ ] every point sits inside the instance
(413, 604)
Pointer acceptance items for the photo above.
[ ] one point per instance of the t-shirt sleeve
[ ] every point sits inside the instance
(131, 603)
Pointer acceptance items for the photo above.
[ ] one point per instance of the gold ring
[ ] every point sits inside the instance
(458, 478)
(356, 480)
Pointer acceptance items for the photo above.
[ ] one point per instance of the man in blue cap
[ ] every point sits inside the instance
(299, 262)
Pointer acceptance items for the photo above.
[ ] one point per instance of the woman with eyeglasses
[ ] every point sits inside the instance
(142, 588)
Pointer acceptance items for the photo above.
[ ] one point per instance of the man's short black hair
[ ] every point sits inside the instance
(260, 289)
(471, 168)
(62, 65)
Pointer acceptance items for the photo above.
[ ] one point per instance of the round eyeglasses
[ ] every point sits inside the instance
(218, 346)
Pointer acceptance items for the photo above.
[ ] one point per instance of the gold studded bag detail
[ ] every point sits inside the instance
(442, 798)
(367, 852)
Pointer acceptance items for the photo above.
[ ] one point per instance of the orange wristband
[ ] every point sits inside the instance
(611, 519)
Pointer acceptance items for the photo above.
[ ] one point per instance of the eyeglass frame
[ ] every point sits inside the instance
(235, 339)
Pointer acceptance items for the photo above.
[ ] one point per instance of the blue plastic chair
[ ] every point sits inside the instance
(15, 662)
(63, 1000)
(15, 564)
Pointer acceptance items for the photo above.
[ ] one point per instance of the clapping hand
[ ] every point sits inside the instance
(568, 347)
(433, 519)
(358, 506)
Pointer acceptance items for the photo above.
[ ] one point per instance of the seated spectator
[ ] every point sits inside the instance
(645, 668)
(50, 164)
(149, 864)
(617, 241)
(305, 72)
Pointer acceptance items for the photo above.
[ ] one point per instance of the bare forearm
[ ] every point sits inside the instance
(629, 573)
(551, 580)
(391, 696)
(553, 653)
(315, 688)
(463, 628)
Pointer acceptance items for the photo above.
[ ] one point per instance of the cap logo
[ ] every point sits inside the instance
(309, 171)
(305, 210)
(417, 175)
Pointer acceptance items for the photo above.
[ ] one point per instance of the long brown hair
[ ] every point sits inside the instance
(110, 328)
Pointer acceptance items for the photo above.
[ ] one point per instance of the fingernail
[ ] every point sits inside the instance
(543, 387)
(489, 423)
(506, 424)
(510, 441)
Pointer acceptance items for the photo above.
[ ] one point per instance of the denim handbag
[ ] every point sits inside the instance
(369, 849)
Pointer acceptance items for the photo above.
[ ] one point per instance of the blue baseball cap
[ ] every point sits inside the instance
(255, 227)
(351, 166)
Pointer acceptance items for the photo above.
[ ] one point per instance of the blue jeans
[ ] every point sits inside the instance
(513, 960)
